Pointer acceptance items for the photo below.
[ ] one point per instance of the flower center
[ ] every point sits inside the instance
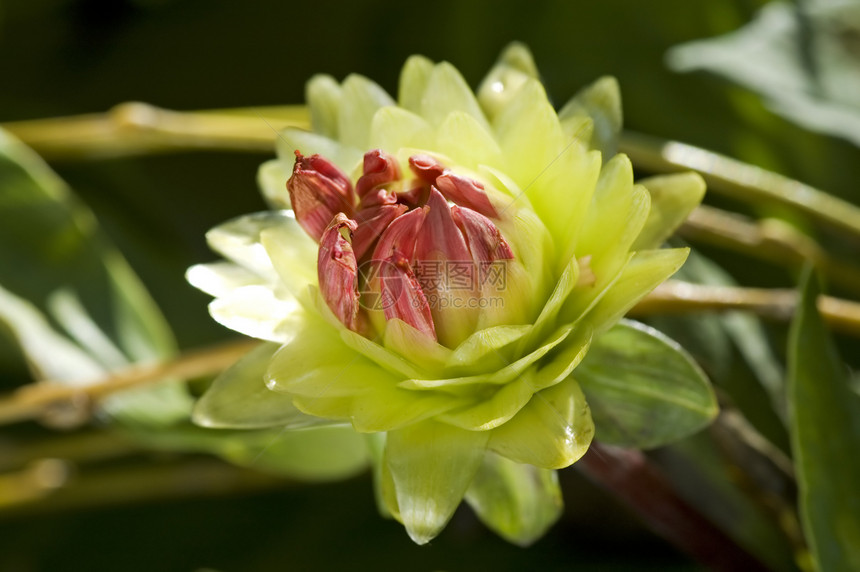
(417, 249)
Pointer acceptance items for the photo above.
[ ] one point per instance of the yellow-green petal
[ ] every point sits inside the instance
(448, 92)
(514, 66)
(553, 431)
(519, 502)
(413, 82)
(601, 101)
(271, 178)
(324, 96)
(393, 128)
(673, 198)
(468, 142)
(259, 311)
(360, 101)
(642, 274)
(239, 398)
(220, 278)
(431, 465)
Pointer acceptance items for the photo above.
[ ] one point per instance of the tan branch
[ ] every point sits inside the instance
(771, 240)
(675, 297)
(139, 128)
(34, 400)
(739, 180)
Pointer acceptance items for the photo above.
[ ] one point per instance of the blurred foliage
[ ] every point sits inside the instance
(63, 57)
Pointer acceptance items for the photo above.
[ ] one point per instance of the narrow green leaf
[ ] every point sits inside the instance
(825, 437)
(519, 502)
(643, 389)
(50, 242)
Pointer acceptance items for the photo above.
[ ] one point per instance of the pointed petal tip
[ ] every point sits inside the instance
(484, 238)
(426, 168)
(379, 168)
(466, 192)
(318, 191)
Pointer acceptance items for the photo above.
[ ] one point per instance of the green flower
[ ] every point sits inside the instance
(440, 267)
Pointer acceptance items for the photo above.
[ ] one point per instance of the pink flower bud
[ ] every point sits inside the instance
(318, 191)
(465, 192)
(337, 271)
(380, 168)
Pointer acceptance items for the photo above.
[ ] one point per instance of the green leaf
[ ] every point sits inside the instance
(431, 465)
(519, 502)
(50, 242)
(825, 437)
(798, 57)
(643, 389)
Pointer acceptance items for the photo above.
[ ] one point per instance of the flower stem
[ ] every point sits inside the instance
(739, 180)
(633, 479)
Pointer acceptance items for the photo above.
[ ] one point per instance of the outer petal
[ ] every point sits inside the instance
(361, 99)
(431, 465)
(645, 271)
(519, 502)
(220, 278)
(467, 142)
(270, 178)
(498, 377)
(447, 92)
(324, 96)
(258, 311)
(394, 128)
(498, 407)
(553, 431)
(673, 198)
(317, 364)
(291, 252)
(239, 240)
(293, 139)
(615, 218)
(514, 66)
(239, 398)
(413, 82)
(601, 101)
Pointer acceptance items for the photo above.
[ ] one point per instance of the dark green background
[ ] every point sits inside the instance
(69, 57)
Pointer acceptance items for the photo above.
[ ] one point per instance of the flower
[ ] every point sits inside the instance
(438, 269)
